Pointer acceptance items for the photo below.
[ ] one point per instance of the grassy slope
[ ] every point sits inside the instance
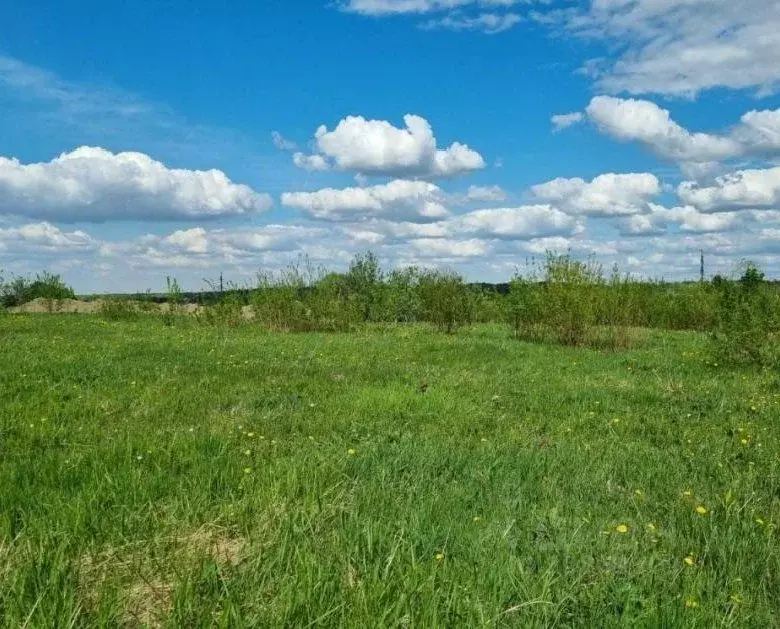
(492, 498)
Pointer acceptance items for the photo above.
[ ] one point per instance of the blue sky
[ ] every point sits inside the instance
(468, 134)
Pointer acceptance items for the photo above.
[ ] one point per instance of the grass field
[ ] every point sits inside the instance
(195, 476)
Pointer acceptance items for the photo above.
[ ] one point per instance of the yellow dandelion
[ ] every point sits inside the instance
(690, 560)
(247, 452)
(247, 470)
(691, 603)
(351, 452)
(744, 442)
(250, 434)
(439, 556)
(622, 529)
(687, 492)
(701, 510)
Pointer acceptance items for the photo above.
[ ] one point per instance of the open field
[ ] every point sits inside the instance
(209, 476)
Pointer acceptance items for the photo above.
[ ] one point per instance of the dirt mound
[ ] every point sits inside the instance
(71, 306)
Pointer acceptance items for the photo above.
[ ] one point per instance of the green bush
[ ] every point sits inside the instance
(118, 309)
(748, 321)
(446, 300)
(22, 290)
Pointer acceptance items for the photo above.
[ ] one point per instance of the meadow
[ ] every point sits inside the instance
(165, 472)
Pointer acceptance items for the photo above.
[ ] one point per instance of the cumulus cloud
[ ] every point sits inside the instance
(399, 200)
(681, 47)
(376, 147)
(486, 193)
(607, 195)
(646, 122)
(44, 238)
(312, 163)
(93, 184)
(687, 218)
(743, 189)
(488, 23)
(449, 248)
(564, 121)
(515, 223)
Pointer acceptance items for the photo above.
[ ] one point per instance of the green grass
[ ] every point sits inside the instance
(194, 476)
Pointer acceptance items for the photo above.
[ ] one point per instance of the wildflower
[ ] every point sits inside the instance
(737, 598)
(622, 529)
(701, 510)
(615, 421)
(687, 492)
(247, 470)
(351, 452)
(476, 518)
(638, 492)
(439, 556)
(651, 527)
(248, 452)
(744, 442)
(691, 603)
(250, 434)
(690, 560)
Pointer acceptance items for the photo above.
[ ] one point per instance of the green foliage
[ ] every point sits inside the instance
(447, 302)
(228, 311)
(21, 290)
(748, 323)
(119, 309)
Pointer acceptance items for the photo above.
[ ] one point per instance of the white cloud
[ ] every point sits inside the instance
(44, 238)
(376, 147)
(488, 23)
(743, 189)
(93, 184)
(486, 193)
(517, 223)
(687, 218)
(282, 143)
(399, 7)
(398, 200)
(607, 195)
(645, 122)
(312, 163)
(448, 248)
(564, 121)
(681, 46)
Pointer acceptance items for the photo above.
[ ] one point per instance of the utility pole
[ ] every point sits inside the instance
(702, 266)
(222, 290)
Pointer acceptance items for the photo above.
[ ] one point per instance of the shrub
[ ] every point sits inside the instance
(447, 302)
(46, 285)
(118, 309)
(748, 325)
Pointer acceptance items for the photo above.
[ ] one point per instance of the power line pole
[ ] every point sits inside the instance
(702, 266)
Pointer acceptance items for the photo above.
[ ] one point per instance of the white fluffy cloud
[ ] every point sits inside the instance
(681, 46)
(564, 121)
(44, 238)
(93, 184)
(398, 200)
(744, 189)
(516, 223)
(687, 218)
(376, 147)
(607, 195)
(646, 122)
(486, 193)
